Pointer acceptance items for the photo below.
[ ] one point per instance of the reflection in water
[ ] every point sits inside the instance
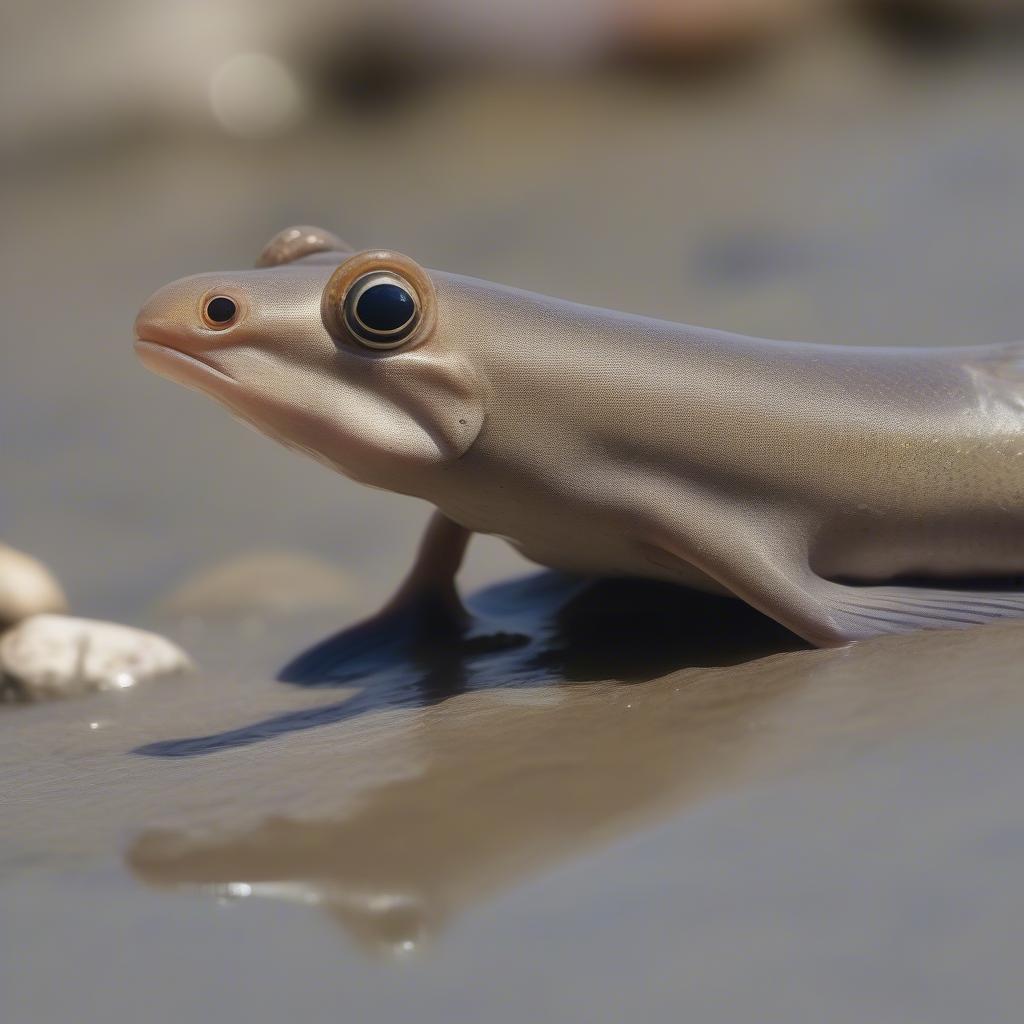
(510, 788)
(507, 788)
(508, 785)
(546, 628)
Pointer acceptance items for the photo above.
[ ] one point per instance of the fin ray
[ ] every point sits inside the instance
(904, 609)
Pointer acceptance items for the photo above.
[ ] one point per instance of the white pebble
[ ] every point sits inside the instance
(58, 656)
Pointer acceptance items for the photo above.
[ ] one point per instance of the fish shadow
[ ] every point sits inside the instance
(539, 630)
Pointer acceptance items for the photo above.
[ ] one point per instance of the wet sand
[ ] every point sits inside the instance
(707, 822)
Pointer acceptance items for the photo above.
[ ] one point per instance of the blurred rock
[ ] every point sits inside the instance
(262, 582)
(943, 26)
(57, 656)
(26, 588)
(666, 29)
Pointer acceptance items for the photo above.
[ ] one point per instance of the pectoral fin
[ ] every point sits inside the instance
(776, 579)
(866, 611)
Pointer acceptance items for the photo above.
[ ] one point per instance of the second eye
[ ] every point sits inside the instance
(381, 310)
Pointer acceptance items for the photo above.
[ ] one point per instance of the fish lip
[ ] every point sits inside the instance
(166, 351)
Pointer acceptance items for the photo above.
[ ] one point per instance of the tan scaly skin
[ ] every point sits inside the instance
(800, 478)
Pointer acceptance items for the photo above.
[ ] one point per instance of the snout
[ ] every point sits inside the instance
(159, 320)
(169, 341)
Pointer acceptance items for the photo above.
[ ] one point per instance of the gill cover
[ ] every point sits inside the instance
(427, 401)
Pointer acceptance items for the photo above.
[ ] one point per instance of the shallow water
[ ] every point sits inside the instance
(604, 804)
(574, 850)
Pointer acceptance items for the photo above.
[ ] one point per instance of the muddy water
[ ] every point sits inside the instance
(529, 844)
(604, 805)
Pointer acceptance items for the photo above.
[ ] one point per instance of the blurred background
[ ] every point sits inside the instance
(824, 170)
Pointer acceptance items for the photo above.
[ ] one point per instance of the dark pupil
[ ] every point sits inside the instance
(220, 310)
(385, 307)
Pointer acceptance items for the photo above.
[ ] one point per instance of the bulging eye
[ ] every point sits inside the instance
(381, 310)
(220, 311)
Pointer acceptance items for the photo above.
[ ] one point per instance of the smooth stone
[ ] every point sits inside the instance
(59, 656)
(271, 582)
(27, 588)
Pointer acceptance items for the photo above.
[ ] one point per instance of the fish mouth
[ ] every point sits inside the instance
(178, 365)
